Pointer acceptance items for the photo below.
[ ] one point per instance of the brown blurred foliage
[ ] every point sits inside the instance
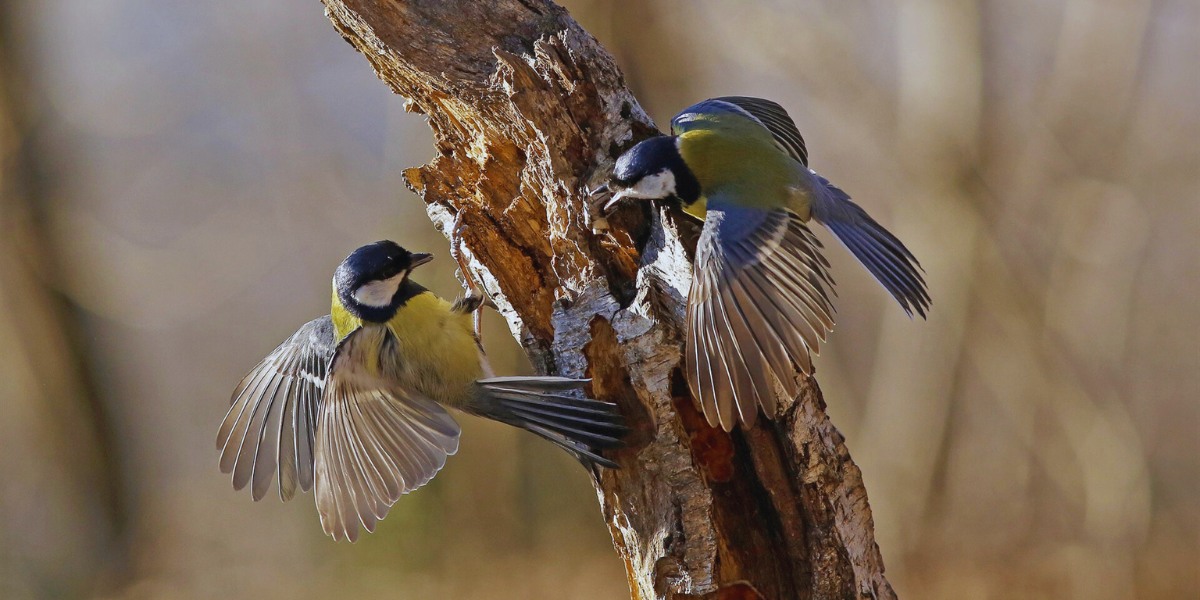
(178, 180)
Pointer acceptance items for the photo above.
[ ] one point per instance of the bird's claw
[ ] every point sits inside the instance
(475, 299)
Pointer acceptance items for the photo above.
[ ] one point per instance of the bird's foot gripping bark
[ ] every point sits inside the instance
(475, 299)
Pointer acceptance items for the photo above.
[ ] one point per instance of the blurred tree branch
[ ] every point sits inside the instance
(62, 495)
(526, 109)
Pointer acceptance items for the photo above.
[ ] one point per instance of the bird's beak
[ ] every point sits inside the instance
(419, 258)
(612, 202)
(605, 194)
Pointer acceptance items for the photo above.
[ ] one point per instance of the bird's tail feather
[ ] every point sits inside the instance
(581, 426)
(875, 247)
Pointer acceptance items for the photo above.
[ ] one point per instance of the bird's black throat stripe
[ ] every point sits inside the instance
(382, 314)
(687, 187)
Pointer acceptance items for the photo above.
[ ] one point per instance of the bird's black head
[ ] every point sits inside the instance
(372, 283)
(653, 170)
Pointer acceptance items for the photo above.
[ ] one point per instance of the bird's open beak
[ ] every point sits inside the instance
(419, 258)
(605, 194)
(612, 202)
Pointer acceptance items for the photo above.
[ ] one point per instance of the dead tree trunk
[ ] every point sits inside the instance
(526, 109)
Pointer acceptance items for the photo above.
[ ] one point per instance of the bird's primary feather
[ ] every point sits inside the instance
(376, 440)
(758, 309)
(875, 247)
(270, 424)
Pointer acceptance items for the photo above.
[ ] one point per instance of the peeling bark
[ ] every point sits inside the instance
(526, 109)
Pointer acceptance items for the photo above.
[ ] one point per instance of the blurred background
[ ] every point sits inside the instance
(179, 179)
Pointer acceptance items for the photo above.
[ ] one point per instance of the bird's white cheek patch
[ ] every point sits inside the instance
(658, 185)
(378, 293)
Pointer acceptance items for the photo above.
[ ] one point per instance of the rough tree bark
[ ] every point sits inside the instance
(527, 109)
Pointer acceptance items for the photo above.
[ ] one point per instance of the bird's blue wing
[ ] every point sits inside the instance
(272, 419)
(376, 440)
(757, 310)
(875, 247)
(764, 113)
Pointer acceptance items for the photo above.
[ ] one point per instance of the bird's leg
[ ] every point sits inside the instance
(476, 299)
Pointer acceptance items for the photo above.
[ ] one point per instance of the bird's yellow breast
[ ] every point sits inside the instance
(436, 348)
(427, 322)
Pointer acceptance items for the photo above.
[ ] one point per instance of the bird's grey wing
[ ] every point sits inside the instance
(875, 247)
(271, 422)
(375, 442)
(757, 310)
(769, 114)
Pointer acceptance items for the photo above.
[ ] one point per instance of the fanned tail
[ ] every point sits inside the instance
(581, 426)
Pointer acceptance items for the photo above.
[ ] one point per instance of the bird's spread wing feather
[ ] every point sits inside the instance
(270, 425)
(875, 247)
(766, 113)
(375, 442)
(757, 310)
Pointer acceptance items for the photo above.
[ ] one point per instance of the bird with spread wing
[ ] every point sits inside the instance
(759, 305)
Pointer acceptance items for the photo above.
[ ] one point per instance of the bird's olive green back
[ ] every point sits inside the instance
(735, 156)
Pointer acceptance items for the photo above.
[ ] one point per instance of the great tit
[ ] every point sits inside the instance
(353, 402)
(758, 305)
